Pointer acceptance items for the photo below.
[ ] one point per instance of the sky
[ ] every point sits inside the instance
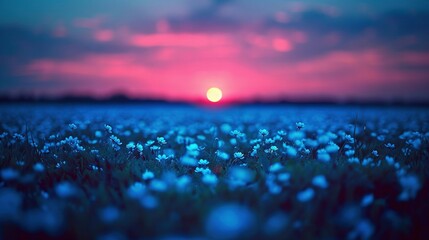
(251, 49)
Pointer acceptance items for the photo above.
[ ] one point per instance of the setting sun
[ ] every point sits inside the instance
(214, 94)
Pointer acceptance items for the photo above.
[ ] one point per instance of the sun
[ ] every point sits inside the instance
(214, 94)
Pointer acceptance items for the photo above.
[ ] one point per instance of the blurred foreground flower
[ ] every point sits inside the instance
(230, 221)
(410, 186)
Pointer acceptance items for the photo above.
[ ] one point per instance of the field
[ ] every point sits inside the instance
(177, 172)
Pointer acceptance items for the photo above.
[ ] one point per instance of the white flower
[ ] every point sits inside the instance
(72, 126)
(238, 155)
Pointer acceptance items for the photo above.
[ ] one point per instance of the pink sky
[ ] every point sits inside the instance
(178, 56)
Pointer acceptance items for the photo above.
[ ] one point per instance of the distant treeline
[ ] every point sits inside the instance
(124, 99)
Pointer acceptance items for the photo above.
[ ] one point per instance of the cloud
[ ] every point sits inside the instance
(308, 52)
(103, 35)
(179, 40)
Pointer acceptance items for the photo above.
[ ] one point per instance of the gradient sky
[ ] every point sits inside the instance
(251, 49)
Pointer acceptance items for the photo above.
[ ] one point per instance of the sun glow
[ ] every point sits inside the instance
(214, 94)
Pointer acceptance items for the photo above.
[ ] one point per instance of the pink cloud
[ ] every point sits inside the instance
(175, 72)
(179, 40)
(162, 26)
(103, 66)
(103, 35)
(281, 45)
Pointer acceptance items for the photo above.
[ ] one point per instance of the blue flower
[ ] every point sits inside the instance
(147, 175)
(320, 181)
(230, 221)
(305, 195)
(239, 155)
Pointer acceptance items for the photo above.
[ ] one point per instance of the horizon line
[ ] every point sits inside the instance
(125, 99)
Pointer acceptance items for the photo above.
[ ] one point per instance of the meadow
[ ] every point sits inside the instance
(181, 172)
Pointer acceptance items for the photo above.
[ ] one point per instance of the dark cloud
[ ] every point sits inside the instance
(204, 19)
(25, 44)
(395, 31)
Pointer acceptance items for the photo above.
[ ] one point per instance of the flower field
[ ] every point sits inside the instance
(179, 172)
